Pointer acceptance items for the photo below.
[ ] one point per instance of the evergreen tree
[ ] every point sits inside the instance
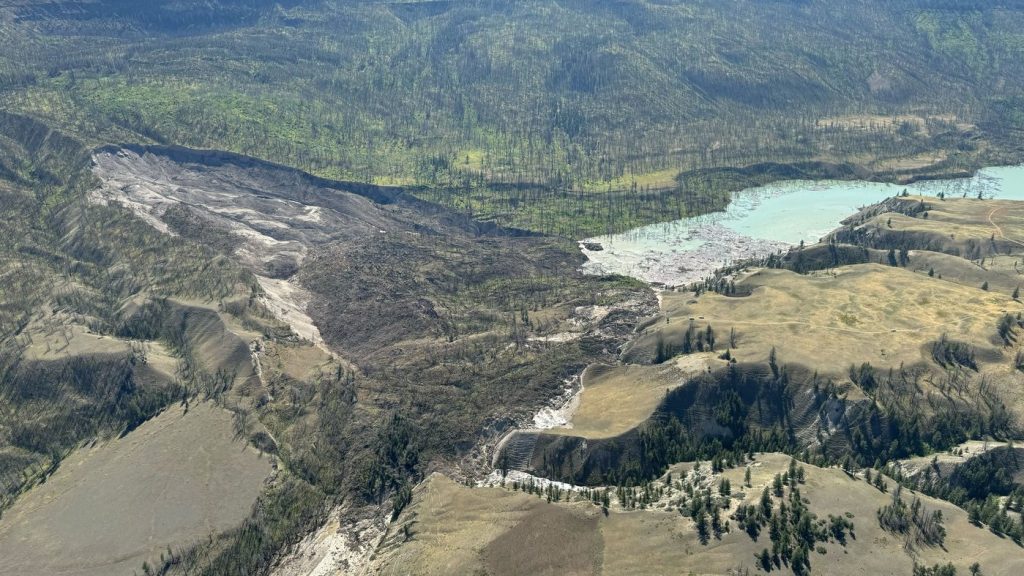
(702, 527)
(880, 483)
(800, 562)
(777, 486)
(765, 560)
(766, 503)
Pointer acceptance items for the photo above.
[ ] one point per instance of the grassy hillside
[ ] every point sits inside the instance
(155, 472)
(900, 345)
(71, 367)
(451, 528)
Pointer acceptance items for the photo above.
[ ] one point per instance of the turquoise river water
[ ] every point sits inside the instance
(765, 219)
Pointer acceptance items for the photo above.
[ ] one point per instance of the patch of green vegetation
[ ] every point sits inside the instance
(577, 214)
(959, 36)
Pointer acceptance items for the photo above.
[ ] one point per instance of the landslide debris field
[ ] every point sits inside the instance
(354, 337)
(351, 334)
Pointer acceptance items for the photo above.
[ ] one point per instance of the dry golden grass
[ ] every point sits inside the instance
(458, 530)
(875, 551)
(998, 271)
(907, 163)
(178, 478)
(616, 399)
(830, 320)
(57, 338)
(878, 122)
(552, 540)
(455, 529)
(961, 219)
(299, 361)
(865, 313)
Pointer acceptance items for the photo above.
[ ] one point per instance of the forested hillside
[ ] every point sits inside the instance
(528, 111)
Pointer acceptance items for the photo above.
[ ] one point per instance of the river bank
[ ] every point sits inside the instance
(763, 220)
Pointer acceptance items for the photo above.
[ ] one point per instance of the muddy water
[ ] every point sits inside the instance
(765, 219)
